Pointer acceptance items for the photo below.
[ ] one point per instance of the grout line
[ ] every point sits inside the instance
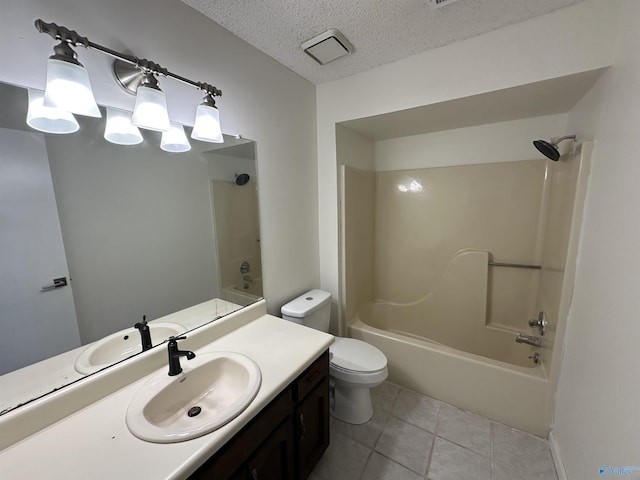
(491, 473)
(433, 441)
(413, 424)
(483, 455)
(382, 427)
(389, 415)
(395, 397)
(364, 468)
(389, 458)
(434, 433)
(397, 463)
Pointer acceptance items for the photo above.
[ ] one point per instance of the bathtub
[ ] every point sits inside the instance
(508, 388)
(243, 293)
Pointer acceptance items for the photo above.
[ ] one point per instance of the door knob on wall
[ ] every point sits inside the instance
(57, 283)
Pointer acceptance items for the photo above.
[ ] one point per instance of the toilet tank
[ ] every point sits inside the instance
(312, 309)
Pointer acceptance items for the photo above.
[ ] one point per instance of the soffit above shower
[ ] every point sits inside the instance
(548, 97)
(380, 31)
(241, 150)
(231, 143)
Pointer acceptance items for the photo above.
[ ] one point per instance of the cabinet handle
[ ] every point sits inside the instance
(303, 429)
(254, 473)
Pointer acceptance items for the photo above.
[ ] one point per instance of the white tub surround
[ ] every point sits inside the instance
(439, 304)
(105, 447)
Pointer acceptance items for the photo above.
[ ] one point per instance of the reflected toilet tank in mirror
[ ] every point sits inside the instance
(133, 230)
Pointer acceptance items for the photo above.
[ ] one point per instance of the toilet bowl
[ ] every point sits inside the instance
(354, 366)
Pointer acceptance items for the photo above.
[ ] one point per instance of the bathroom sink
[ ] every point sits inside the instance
(212, 390)
(121, 345)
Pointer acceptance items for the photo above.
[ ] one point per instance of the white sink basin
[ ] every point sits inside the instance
(121, 345)
(212, 390)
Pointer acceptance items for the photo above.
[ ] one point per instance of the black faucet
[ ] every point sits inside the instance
(145, 333)
(174, 355)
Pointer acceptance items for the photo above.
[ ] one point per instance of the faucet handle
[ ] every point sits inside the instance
(174, 355)
(172, 342)
(143, 324)
(541, 323)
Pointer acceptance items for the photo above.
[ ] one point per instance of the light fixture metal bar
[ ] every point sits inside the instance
(73, 38)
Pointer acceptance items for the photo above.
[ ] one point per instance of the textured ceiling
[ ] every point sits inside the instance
(381, 31)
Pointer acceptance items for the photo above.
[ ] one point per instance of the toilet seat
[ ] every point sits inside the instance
(360, 379)
(354, 372)
(349, 355)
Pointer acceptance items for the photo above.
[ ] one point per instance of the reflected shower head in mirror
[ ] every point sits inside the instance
(242, 179)
(550, 149)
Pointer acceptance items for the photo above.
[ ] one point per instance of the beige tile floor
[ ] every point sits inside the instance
(414, 437)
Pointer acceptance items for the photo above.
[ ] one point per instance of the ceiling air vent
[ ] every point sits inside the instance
(327, 47)
(433, 4)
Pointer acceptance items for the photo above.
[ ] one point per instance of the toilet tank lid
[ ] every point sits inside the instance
(306, 304)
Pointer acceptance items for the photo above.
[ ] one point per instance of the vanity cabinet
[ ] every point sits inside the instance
(312, 427)
(285, 440)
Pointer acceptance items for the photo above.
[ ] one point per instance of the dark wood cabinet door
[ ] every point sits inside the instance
(274, 459)
(312, 428)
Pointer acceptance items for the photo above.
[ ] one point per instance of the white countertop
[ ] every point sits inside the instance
(94, 443)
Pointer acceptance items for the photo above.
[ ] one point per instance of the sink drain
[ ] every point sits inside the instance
(193, 411)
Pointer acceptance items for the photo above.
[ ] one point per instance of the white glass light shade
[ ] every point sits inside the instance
(48, 119)
(150, 111)
(207, 125)
(68, 88)
(175, 140)
(119, 129)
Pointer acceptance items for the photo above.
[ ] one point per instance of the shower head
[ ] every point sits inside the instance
(242, 179)
(549, 149)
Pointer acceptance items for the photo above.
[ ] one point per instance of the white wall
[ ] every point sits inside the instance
(353, 149)
(597, 413)
(262, 100)
(567, 41)
(490, 143)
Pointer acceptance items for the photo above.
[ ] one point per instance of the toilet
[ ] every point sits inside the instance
(354, 366)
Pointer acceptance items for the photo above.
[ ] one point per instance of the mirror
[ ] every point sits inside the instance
(94, 236)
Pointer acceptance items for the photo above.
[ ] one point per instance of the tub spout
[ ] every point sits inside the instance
(529, 340)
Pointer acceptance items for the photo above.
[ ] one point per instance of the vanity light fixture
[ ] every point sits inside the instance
(119, 129)
(48, 119)
(68, 87)
(175, 140)
(207, 125)
(150, 111)
(138, 76)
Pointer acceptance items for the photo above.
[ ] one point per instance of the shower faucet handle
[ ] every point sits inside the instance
(541, 323)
